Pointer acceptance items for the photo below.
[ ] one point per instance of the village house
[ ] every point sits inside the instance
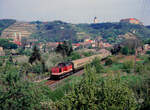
(52, 45)
(75, 45)
(101, 44)
(146, 47)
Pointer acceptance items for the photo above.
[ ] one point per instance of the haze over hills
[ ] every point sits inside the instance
(56, 31)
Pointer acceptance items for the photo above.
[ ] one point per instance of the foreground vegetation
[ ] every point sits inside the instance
(92, 90)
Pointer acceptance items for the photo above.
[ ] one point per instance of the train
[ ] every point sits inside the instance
(67, 68)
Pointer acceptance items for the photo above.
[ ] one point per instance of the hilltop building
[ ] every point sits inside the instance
(95, 20)
(132, 21)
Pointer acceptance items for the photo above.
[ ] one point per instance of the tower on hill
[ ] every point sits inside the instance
(95, 20)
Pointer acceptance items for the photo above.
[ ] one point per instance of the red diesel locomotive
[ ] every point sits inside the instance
(62, 70)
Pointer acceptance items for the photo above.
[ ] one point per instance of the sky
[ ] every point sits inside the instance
(75, 11)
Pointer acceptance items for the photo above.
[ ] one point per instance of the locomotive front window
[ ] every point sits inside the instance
(61, 64)
(59, 69)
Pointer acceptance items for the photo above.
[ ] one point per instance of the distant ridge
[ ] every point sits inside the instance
(58, 31)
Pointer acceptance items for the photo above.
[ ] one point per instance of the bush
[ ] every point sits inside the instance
(141, 88)
(1, 63)
(108, 95)
(98, 67)
(114, 95)
(87, 54)
(127, 66)
(132, 51)
(37, 68)
(16, 93)
(74, 56)
(108, 62)
(125, 50)
(148, 52)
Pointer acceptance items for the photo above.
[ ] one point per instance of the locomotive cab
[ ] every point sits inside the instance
(61, 70)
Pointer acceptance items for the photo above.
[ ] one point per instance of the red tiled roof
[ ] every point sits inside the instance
(18, 43)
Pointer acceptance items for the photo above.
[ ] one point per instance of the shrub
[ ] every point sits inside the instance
(108, 62)
(125, 50)
(127, 66)
(96, 64)
(148, 52)
(1, 63)
(115, 95)
(16, 93)
(142, 68)
(132, 51)
(37, 68)
(74, 56)
(110, 94)
(87, 54)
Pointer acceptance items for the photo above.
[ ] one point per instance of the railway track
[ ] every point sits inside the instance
(51, 82)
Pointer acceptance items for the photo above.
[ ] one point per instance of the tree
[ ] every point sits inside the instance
(17, 93)
(116, 49)
(6, 44)
(60, 50)
(125, 50)
(65, 49)
(35, 55)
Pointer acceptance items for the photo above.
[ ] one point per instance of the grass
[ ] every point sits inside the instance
(132, 79)
(115, 67)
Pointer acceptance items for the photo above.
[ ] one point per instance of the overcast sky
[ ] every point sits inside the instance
(75, 11)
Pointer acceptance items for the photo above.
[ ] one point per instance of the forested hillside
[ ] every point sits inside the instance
(111, 31)
(4, 23)
(60, 31)
(56, 31)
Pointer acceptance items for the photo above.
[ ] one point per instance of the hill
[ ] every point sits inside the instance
(5, 23)
(57, 31)
(111, 32)
(19, 29)
(54, 31)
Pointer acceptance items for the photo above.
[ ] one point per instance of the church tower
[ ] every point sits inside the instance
(95, 20)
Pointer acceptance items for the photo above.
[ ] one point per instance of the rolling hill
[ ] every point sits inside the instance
(56, 31)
